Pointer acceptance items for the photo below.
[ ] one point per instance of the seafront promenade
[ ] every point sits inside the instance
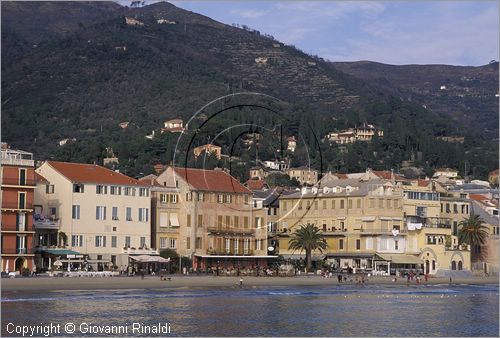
(177, 281)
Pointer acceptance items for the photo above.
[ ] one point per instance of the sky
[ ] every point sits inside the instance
(393, 32)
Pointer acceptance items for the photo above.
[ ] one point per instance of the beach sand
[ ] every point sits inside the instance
(178, 281)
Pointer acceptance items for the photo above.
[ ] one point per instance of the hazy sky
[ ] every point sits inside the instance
(395, 32)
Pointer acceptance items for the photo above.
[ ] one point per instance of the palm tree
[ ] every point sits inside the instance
(473, 232)
(308, 238)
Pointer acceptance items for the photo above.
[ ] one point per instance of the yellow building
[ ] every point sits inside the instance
(304, 175)
(211, 218)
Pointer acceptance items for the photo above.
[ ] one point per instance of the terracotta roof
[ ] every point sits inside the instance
(255, 184)
(211, 180)
(149, 180)
(423, 183)
(91, 173)
(386, 175)
(341, 176)
(477, 197)
(40, 179)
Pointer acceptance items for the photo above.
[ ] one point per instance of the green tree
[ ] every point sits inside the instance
(473, 232)
(308, 238)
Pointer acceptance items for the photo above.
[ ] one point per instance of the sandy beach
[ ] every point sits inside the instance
(178, 281)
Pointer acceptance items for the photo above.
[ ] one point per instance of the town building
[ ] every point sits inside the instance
(365, 132)
(211, 218)
(17, 175)
(102, 216)
(291, 143)
(304, 175)
(374, 225)
(209, 149)
(446, 172)
(488, 253)
(173, 126)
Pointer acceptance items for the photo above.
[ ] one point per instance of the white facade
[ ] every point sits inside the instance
(103, 220)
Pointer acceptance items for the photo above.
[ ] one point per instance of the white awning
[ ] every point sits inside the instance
(150, 259)
(174, 221)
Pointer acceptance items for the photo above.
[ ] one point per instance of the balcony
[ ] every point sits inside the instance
(45, 222)
(17, 206)
(15, 181)
(223, 252)
(139, 251)
(382, 231)
(231, 230)
(17, 157)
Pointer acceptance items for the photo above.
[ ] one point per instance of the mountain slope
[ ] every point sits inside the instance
(80, 81)
(466, 95)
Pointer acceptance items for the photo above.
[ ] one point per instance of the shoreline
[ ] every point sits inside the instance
(178, 281)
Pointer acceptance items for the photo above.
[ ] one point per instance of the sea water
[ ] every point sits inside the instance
(337, 310)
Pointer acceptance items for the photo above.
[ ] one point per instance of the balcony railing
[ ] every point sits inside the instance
(144, 251)
(16, 181)
(231, 230)
(18, 161)
(17, 205)
(224, 252)
(46, 223)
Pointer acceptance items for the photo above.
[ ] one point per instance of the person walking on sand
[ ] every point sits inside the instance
(241, 282)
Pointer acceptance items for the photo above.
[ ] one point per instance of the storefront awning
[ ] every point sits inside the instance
(399, 258)
(349, 255)
(150, 259)
(234, 257)
(60, 252)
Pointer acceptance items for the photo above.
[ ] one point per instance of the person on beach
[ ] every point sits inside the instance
(339, 278)
(241, 282)
(450, 280)
(33, 272)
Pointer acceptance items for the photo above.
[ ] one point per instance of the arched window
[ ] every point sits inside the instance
(453, 265)
(460, 265)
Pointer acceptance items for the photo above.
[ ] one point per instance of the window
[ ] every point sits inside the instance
(236, 222)
(389, 203)
(127, 191)
(114, 190)
(101, 189)
(163, 198)
(163, 242)
(114, 214)
(342, 226)
(228, 245)
(188, 220)
(421, 211)
(100, 241)
(164, 221)
(22, 176)
(341, 244)
(358, 244)
(455, 208)
(258, 244)
(22, 200)
(75, 212)
(372, 203)
(220, 198)
(369, 243)
(143, 242)
(245, 222)
(236, 246)
(127, 241)
(143, 214)
(129, 214)
(201, 196)
(495, 230)
(342, 204)
(49, 189)
(396, 245)
(324, 204)
(247, 199)
(246, 244)
(258, 223)
(77, 240)
(198, 242)
(143, 192)
(228, 198)
(21, 221)
(53, 212)
(189, 196)
(113, 241)
(188, 243)
(200, 220)
(100, 213)
(78, 187)
(358, 203)
(21, 244)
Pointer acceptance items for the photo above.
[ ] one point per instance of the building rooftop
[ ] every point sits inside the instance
(211, 180)
(91, 173)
